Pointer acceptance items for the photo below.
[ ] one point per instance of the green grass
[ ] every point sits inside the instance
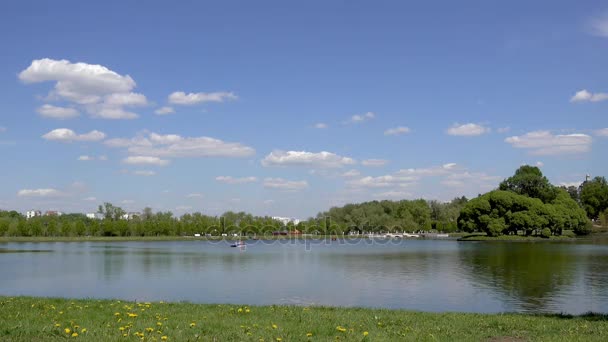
(517, 238)
(35, 319)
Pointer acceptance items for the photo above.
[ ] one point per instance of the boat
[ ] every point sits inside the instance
(238, 244)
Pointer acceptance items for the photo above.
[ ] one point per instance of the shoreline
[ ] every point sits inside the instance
(40, 318)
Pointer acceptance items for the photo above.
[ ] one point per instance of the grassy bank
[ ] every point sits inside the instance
(516, 238)
(33, 319)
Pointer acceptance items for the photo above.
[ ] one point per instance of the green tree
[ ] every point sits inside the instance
(594, 196)
(529, 181)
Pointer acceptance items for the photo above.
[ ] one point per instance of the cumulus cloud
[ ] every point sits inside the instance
(145, 160)
(587, 96)
(181, 98)
(598, 25)
(461, 179)
(374, 162)
(359, 118)
(394, 180)
(176, 146)
(321, 125)
(469, 129)
(321, 159)
(351, 173)
(54, 112)
(90, 199)
(67, 135)
(283, 184)
(233, 180)
(103, 93)
(547, 143)
(601, 132)
(86, 158)
(39, 193)
(144, 173)
(164, 110)
(431, 171)
(397, 130)
(539, 164)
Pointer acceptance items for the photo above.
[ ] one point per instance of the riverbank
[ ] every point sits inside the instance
(28, 319)
(517, 238)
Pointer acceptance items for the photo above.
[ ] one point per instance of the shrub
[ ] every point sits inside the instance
(546, 233)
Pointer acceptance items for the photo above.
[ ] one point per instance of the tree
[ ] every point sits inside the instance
(110, 212)
(529, 181)
(594, 196)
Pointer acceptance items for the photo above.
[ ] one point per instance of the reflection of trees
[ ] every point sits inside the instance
(528, 273)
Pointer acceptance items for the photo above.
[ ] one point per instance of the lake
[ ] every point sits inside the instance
(426, 275)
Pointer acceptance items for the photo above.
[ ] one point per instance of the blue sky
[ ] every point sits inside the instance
(284, 108)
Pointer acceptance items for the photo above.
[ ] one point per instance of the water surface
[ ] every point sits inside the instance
(427, 275)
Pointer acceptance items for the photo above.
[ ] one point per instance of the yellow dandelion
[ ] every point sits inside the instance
(121, 328)
(274, 326)
(75, 334)
(76, 326)
(61, 312)
(279, 339)
(117, 314)
(192, 325)
(125, 335)
(247, 311)
(57, 325)
(132, 315)
(309, 334)
(159, 324)
(150, 329)
(67, 330)
(240, 310)
(365, 333)
(164, 338)
(340, 329)
(83, 330)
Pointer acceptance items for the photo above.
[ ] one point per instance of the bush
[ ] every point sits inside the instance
(584, 229)
(546, 233)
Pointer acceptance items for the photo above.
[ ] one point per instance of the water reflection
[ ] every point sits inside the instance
(418, 275)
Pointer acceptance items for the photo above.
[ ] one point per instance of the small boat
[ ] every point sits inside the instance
(238, 244)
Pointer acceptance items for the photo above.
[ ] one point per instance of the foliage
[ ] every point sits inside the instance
(529, 181)
(594, 196)
(546, 233)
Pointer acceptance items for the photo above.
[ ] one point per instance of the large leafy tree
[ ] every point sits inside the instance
(594, 196)
(529, 181)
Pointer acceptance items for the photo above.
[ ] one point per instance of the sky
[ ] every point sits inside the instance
(287, 108)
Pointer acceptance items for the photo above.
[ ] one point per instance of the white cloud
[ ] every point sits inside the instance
(359, 118)
(321, 125)
(194, 195)
(283, 184)
(175, 146)
(374, 162)
(39, 193)
(232, 180)
(127, 201)
(539, 164)
(385, 181)
(183, 208)
(67, 135)
(268, 202)
(351, 173)
(145, 160)
(181, 98)
(164, 110)
(430, 171)
(503, 129)
(397, 130)
(321, 159)
(586, 96)
(460, 179)
(469, 129)
(144, 173)
(393, 195)
(100, 91)
(86, 158)
(601, 132)
(598, 26)
(54, 112)
(546, 143)
(569, 184)
(90, 199)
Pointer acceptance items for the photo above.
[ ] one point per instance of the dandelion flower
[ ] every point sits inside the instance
(340, 329)
(75, 334)
(365, 333)
(149, 329)
(247, 311)
(159, 323)
(83, 330)
(67, 330)
(274, 326)
(309, 334)
(164, 338)
(117, 314)
(240, 310)
(192, 325)
(57, 325)
(132, 315)
(279, 339)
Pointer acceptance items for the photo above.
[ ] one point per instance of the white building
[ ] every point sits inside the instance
(286, 220)
(95, 216)
(130, 215)
(32, 213)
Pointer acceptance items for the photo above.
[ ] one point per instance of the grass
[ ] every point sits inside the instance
(35, 319)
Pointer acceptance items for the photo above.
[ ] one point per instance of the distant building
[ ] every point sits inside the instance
(286, 220)
(96, 216)
(130, 215)
(53, 213)
(32, 213)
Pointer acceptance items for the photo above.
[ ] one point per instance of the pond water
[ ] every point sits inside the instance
(426, 275)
